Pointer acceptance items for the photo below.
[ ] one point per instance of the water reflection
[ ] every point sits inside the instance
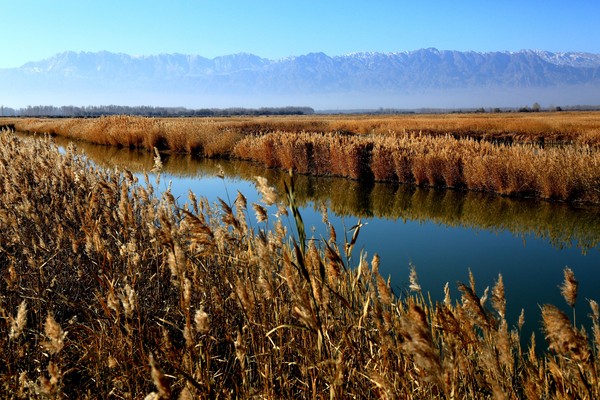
(443, 233)
(561, 225)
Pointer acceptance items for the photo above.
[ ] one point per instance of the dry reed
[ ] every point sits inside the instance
(547, 155)
(112, 292)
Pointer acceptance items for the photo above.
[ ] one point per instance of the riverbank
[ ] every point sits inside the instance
(562, 224)
(552, 156)
(111, 291)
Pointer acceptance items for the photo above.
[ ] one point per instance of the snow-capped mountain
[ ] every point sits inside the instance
(577, 60)
(367, 79)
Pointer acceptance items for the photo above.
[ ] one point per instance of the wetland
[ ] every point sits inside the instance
(129, 272)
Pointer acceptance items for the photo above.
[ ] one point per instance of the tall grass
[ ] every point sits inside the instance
(533, 128)
(111, 291)
(508, 154)
(571, 174)
(198, 137)
(558, 223)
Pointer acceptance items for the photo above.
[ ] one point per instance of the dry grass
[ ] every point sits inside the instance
(546, 155)
(568, 173)
(111, 292)
(562, 225)
(536, 128)
(194, 136)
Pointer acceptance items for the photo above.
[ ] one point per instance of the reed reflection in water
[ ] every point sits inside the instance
(560, 224)
(444, 233)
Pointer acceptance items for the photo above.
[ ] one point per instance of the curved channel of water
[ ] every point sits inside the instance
(443, 233)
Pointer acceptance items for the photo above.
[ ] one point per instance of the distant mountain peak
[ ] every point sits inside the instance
(580, 59)
(361, 75)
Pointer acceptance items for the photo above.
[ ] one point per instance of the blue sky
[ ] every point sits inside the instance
(37, 29)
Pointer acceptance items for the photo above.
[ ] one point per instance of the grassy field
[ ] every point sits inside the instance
(545, 155)
(111, 292)
(558, 127)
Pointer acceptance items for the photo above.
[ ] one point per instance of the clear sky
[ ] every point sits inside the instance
(36, 29)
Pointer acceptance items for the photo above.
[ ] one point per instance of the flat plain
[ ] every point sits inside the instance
(541, 154)
(110, 289)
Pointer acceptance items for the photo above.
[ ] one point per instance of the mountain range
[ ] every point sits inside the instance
(421, 78)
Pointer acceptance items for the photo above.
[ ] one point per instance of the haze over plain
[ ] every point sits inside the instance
(275, 30)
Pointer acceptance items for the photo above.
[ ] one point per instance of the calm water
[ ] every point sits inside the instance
(442, 233)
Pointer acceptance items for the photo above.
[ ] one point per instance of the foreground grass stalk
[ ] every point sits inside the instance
(110, 291)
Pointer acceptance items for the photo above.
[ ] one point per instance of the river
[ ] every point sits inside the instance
(443, 233)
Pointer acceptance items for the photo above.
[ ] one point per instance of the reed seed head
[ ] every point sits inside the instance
(569, 287)
(414, 281)
(268, 193)
(18, 324)
(595, 310)
(202, 321)
(158, 165)
(447, 299)
(160, 381)
(498, 297)
(56, 336)
(521, 321)
(562, 337)
(261, 212)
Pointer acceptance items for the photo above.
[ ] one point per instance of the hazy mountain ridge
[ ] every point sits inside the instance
(314, 74)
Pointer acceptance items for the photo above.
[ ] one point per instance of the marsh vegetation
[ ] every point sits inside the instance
(545, 155)
(112, 290)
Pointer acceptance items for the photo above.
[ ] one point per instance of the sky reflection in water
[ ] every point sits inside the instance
(443, 233)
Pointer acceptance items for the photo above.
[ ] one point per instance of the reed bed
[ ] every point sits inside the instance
(199, 137)
(569, 174)
(537, 128)
(546, 155)
(112, 292)
(560, 224)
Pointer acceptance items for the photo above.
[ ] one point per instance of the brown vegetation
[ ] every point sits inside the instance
(558, 127)
(569, 173)
(108, 291)
(558, 223)
(546, 155)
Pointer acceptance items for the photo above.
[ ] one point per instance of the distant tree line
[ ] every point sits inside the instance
(149, 111)
(480, 110)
